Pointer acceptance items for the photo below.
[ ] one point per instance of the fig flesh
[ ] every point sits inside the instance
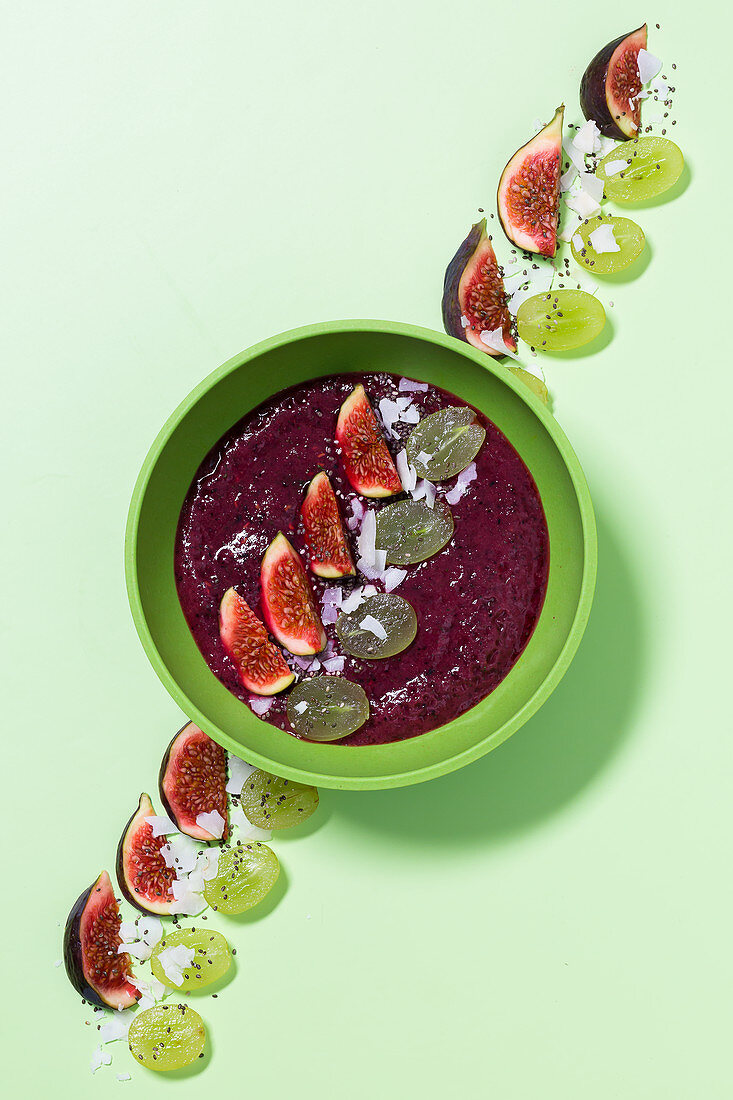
(144, 878)
(474, 299)
(611, 84)
(288, 602)
(192, 781)
(369, 465)
(325, 538)
(260, 664)
(528, 199)
(91, 940)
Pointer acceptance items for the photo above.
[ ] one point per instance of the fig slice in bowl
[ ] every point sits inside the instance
(261, 666)
(369, 465)
(325, 537)
(287, 599)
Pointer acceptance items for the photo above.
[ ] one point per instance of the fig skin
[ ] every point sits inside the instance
(593, 87)
(179, 742)
(73, 954)
(161, 908)
(470, 255)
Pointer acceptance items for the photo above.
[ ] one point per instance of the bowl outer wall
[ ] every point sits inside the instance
(573, 557)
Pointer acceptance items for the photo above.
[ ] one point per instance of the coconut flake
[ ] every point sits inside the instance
(393, 577)
(407, 472)
(592, 185)
(389, 412)
(353, 600)
(152, 991)
(246, 828)
(587, 138)
(174, 960)
(161, 825)
(209, 860)
(180, 852)
(239, 770)
(357, 514)
(649, 65)
(582, 203)
(128, 931)
(138, 949)
(567, 233)
(425, 490)
(334, 664)
(373, 626)
(332, 597)
(213, 822)
(607, 144)
(576, 158)
(567, 178)
(495, 341)
(100, 1058)
(300, 707)
(464, 321)
(424, 457)
(115, 1026)
(463, 480)
(260, 704)
(380, 561)
(410, 415)
(613, 167)
(151, 930)
(124, 1077)
(330, 613)
(602, 239)
(409, 385)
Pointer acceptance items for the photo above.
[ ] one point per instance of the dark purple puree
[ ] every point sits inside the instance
(477, 601)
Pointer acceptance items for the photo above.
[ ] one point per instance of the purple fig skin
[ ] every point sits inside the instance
(593, 101)
(72, 950)
(451, 306)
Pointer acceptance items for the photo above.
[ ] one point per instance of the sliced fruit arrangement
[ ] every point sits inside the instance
(528, 199)
(192, 781)
(260, 664)
(274, 803)
(190, 959)
(382, 626)
(145, 879)
(368, 464)
(327, 708)
(91, 942)
(560, 320)
(247, 873)
(642, 169)
(445, 442)
(167, 1037)
(325, 538)
(611, 84)
(289, 606)
(474, 299)
(410, 532)
(607, 244)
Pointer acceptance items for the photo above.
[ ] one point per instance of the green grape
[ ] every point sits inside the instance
(274, 803)
(536, 385)
(247, 872)
(410, 532)
(627, 234)
(167, 1036)
(451, 437)
(560, 320)
(395, 615)
(211, 959)
(325, 708)
(653, 165)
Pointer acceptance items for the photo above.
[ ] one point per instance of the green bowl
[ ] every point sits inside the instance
(255, 375)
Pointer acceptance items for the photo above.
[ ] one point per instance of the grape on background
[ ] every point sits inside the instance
(560, 320)
(247, 872)
(167, 1036)
(270, 802)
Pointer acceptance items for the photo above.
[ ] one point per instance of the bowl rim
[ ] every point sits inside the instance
(590, 554)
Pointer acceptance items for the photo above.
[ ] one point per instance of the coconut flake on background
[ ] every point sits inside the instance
(568, 232)
(602, 240)
(330, 613)
(239, 770)
(174, 960)
(353, 600)
(128, 931)
(393, 577)
(607, 144)
(659, 88)
(407, 472)
(180, 853)
(100, 1058)
(303, 663)
(425, 490)
(463, 480)
(124, 1077)
(649, 65)
(138, 949)
(373, 626)
(495, 341)
(151, 930)
(613, 167)
(587, 138)
(424, 457)
(357, 514)
(300, 707)
(213, 822)
(582, 203)
(592, 185)
(464, 321)
(410, 415)
(566, 180)
(407, 384)
(380, 561)
(366, 539)
(260, 704)
(59, 962)
(152, 991)
(576, 158)
(208, 863)
(116, 1026)
(246, 828)
(162, 825)
(334, 664)
(332, 596)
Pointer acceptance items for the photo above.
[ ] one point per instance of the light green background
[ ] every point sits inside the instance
(182, 179)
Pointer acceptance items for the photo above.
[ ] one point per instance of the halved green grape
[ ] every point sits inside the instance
(627, 235)
(212, 958)
(247, 872)
(325, 708)
(411, 532)
(560, 320)
(383, 626)
(536, 385)
(652, 166)
(452, 439)
(274, 803)
(167, 1036)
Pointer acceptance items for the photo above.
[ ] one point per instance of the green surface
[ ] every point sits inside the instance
(182, 180)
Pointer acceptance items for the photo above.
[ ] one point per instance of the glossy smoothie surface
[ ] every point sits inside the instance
(477, 601)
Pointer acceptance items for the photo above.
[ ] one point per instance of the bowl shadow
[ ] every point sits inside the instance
(546, 765)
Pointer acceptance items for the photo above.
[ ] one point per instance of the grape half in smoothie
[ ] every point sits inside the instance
(382, 626)
(411, 532)
(560, 320)
(167, 1036)
(445, 442)
(326, 708)
(651, 165)
(211, 959)
(247, 873)
(274, 803)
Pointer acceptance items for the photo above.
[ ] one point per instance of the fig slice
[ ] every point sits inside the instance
(369, 465)
(260, 664)
(325, 537)
(528, 199)
(192, 781)
(474, 299)
(144, 878)
(611, 84)
(91, 940)
(288, 602)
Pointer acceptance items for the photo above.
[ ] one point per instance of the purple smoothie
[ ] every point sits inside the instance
(477, 601)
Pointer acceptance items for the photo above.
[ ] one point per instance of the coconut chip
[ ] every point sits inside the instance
(100, 1058)
(582, 203)
(115, 1026)
(602, 240)
(334, 664)
(162, 825)
(389, 412)
(407, 384)
(424, 490)
(587, 138)
(151, 930)
(613, 167)
(407, 472)
(138, 949)
(357, 514)
(393, 577)
(260, 704)
(300, 707)
(124, 1077)
(152, 991)
(374, 627)
(566, 180)
(180, 852)
(247, 829)
(648, 64)
(592, 185)
(174, 960)
(128, 931)
(213, 822)
(239, 770)
(495, 341)
(463, 480)
(577, 241)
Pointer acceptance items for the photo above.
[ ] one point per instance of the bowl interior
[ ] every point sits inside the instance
(229, 394)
